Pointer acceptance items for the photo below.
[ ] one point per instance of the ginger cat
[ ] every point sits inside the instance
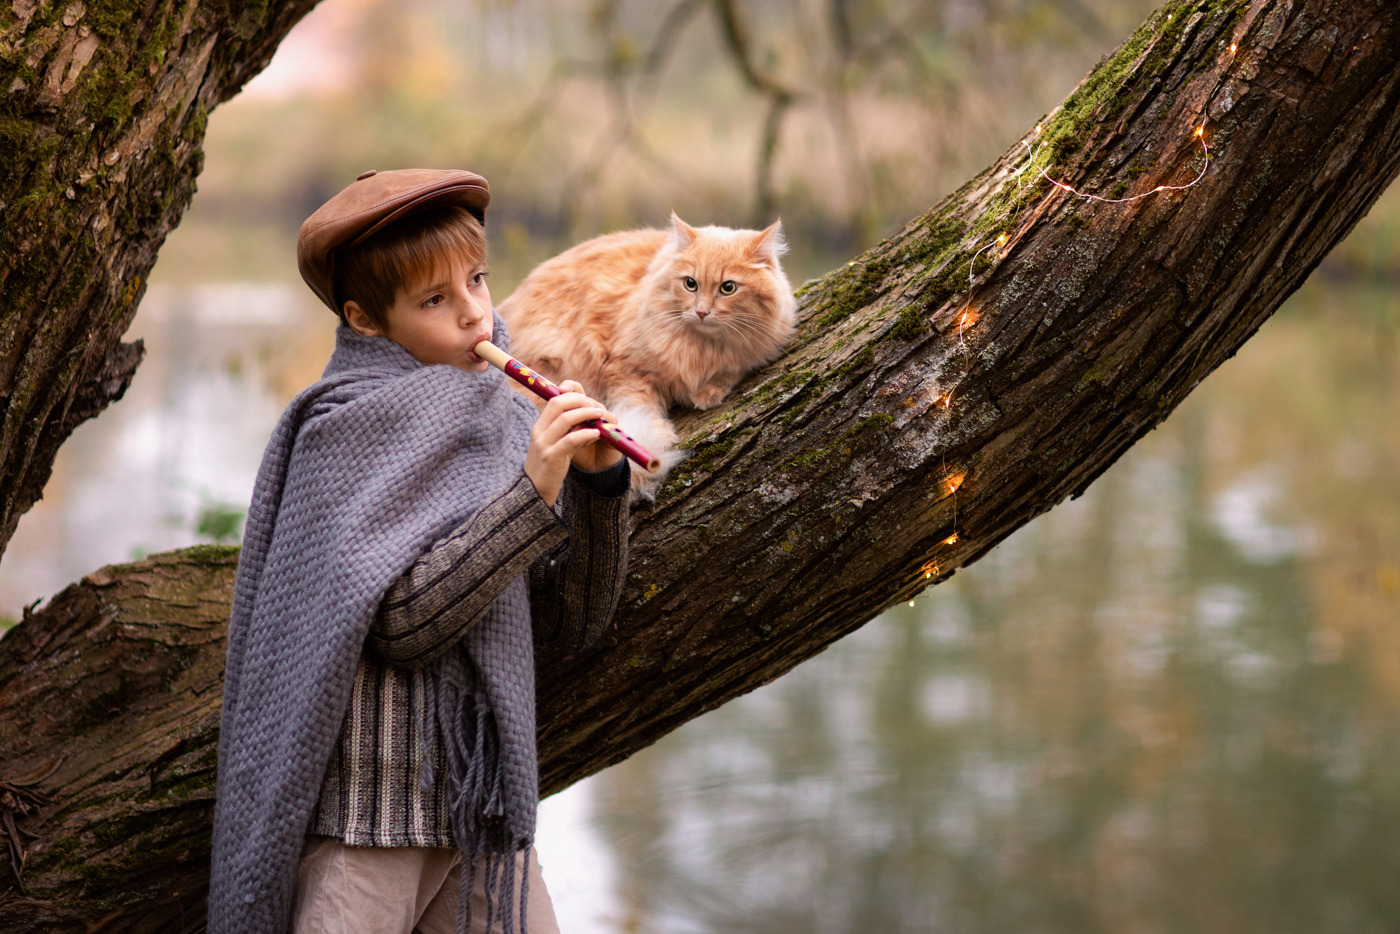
(645, 319)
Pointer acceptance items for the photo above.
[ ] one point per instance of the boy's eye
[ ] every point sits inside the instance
(479, 278)
(727, 287)
(690, 284)
(433, 300)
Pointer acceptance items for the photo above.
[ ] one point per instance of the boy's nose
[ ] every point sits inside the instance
(473, 312)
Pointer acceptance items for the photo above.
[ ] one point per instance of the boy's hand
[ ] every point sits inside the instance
(556, 439)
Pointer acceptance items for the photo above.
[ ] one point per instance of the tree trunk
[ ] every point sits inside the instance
(102, 117)
(915, 423)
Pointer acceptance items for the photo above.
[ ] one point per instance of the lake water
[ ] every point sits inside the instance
(1171, 705)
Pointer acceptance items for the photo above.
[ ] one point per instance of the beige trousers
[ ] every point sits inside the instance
(398, 890)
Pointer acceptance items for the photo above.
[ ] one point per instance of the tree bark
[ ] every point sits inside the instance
(915, 423)
(103, 106)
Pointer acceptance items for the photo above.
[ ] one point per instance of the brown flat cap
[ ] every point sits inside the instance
(369, 204)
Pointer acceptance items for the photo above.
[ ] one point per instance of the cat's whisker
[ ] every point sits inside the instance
(749, 327)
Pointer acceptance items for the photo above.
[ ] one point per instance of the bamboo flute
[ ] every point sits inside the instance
(612, 435)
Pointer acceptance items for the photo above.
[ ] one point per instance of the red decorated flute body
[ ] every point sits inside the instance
(612, 435)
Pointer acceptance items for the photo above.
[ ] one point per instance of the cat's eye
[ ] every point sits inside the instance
(690, 284)
(728, 287)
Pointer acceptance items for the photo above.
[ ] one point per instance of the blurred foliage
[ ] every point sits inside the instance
(592, 115)
(220, 523)
(845, 117)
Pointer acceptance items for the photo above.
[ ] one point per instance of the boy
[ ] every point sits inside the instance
(378, 728)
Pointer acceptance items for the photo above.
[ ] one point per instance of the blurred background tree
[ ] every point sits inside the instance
(593, 115)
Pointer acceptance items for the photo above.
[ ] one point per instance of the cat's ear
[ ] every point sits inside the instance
(768, 244)
(682, 234)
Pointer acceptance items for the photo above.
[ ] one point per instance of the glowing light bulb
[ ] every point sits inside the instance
(951, 539)
(1001, 241)
(911, 602)
(1200, 131)
(1234, 48)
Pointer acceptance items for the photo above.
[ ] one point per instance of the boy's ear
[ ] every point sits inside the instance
(359, 320)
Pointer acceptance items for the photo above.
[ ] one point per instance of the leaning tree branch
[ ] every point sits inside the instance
(916, 422)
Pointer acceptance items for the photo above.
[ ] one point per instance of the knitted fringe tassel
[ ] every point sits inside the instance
(498, 870)
(477, 796)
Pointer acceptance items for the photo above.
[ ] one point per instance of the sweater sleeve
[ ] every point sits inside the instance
(452, 584)
(574, 593)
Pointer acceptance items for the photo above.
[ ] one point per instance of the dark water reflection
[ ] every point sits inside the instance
(1168, 706)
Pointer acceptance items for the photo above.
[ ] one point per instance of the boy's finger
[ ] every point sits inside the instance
(561, 423)
(579, 439)
(568, 400)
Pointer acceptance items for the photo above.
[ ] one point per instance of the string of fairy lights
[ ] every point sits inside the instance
(969, 316)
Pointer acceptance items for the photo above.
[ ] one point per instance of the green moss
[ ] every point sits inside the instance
(196, 126)
(112, 19)
(706, 455)
(14, 131)
(209, 554)
(160, 40)
(848, 441)
(130, 291)
(198, 784)
(807, 459)
(783, 384)
(860, 361)
(853, 288)
(911, 324)
(943, 235)
(106, 93)
(867, 424)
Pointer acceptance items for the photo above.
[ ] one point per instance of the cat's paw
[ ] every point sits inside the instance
(707, 397)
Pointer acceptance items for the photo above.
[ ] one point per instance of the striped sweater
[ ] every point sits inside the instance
(374, 792)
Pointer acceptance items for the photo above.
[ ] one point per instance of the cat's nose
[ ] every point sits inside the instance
(702, 313)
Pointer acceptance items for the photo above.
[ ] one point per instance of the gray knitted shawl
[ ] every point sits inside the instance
(365, 470)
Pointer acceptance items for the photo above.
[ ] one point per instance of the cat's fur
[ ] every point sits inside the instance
(616, 314)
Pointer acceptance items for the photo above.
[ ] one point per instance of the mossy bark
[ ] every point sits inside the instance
(103, 105)
(916, 422)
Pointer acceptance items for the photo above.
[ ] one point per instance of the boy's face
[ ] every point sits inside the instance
(438, 320)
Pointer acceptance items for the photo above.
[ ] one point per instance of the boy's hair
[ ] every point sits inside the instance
(403, 254)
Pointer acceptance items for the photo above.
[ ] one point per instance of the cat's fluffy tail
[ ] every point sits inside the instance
(654, 432)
